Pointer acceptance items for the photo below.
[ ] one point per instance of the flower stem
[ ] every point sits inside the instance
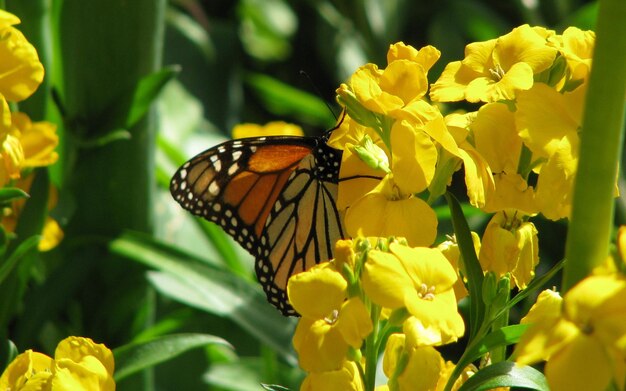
(601, 142)
(371, 351)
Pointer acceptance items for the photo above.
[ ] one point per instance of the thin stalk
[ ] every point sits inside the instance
(601, 144)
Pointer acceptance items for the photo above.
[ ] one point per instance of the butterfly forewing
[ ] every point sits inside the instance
(275, 196)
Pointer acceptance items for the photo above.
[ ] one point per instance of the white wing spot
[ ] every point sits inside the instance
(217, 165)
(214, 188)
(183, 174)
(237, 155)
(233, 169)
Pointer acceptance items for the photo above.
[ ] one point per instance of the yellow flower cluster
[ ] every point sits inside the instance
(23, 144)
(519, 155)
(78, 364)
(581, 335)
(518, 150)
(375, 284)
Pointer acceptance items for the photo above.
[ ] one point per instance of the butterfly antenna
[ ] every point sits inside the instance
(319, 94)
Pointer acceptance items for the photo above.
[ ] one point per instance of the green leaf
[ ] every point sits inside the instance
(134, 357)
(282, 99)
(470, 264)
(506, 374)
(147, 90)
(535, 284)
(505, 336)
(194, 282)
(191, 30)
(22, 249)
(110, 137)
(443, 212)
(35, 210)
(274, 387)
(9, 194)
(241, 375)
(266, 26)
(8, 352)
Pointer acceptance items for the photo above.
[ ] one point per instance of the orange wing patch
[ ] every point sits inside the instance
(254, 192)
(276, 157)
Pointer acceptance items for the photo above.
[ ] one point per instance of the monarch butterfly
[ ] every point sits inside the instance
(276, 196)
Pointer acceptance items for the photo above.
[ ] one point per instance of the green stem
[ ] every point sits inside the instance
(600, 147)
(371, 351)
(499, 354)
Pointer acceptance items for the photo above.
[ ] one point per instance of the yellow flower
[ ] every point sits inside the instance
(395, 91)
(346, 378)
(12, 156)
(478, 174)
(426, 56)
(496, 69)
(28, 371)
(24, 144)
(544, 116)
(356, 177)
(414, 157)
(409, 366)
(386, 211)
(510, 245)
(582, 336)
(621, 243)
(420, 279)
(8, 19)
(81, 364)
(78, 364)
(576, 46)
(20, 70)
(274, 128)
(450, 249)
(389, 208)
(38, 139)
(549, 123)
(52, 233)
(511, 192)
(556, 182)
(329, 323)
(468, 372)
(496, 138)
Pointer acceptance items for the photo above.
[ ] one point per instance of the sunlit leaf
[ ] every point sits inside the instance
(9, 194)
(470, 261)
(134, 357)
(506, 374)
(282, 99)
(196, 283)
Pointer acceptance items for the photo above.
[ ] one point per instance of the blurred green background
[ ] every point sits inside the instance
(138, 87)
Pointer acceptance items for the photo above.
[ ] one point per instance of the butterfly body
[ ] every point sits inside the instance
(276, 196)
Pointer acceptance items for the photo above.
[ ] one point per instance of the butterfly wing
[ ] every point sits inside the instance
(275, 196)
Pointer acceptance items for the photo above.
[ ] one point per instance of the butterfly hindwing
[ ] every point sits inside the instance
(304, 225)
(275, 196)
